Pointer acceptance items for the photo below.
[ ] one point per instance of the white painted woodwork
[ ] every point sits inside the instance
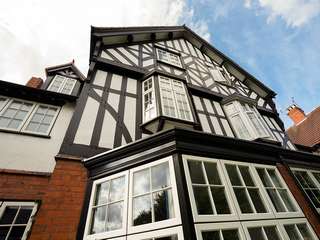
(108, 131)
(100, 78)
(116, 82)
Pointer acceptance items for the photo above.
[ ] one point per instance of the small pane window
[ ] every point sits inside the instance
(149, 101)
(62, 84)
(169, 57)
(299, 232)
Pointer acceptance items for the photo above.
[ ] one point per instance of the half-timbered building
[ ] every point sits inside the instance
(174, 140)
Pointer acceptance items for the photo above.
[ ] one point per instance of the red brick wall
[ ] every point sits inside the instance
(59, 214)
(35, 82)
(304, 204)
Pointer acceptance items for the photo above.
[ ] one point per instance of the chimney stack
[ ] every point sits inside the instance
(35, 82)
(296, 114)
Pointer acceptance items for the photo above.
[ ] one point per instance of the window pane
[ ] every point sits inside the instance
(114, 217)
(231, 234)
(257, 200)
(211, 235)
(142, 210)
(14, 124)
(141, 182)
(256, 233)
(16, 233)
(8, 215)
(117, 189)
(233, 175)
(102, 193)
(287, 201)
(196, 172)
(203, 202)
(98, 220)
(23, 216)
(244, 170)
(276, 200)
(163, 205)
(272, 233)
(305, 232)
(175, 237)
(43, 128)
(264, 177)
(160, 176)
(274, 178)
(243, 200)
(292, 232)
(4, 122)
(212, 173)
(220, 200)
(3, 232)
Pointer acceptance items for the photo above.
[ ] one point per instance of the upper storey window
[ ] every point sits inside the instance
(246, 121)
(62, 84)
(169, 57)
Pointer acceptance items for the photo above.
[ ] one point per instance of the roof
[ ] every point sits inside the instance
(307, 132)
(129, 35)
(66, 66)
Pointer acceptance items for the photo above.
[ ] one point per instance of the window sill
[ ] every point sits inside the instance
(25, 133)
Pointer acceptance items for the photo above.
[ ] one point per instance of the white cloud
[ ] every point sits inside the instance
(35, 34)
(295, 12)
(201, 28)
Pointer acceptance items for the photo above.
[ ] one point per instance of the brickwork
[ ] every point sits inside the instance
(308, 211)
(59, 214)
(35, 82)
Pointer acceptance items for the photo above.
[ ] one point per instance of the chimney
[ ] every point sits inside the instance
(35, 82)
(296, 114)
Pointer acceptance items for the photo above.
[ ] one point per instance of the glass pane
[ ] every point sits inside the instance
(314, 197)
(292, 232)
(114, 217)
(98, 220)
(257, 200)
(212, 173)
(3, 232)
(4, 122)
(305, 232)
(23, 215)
(196, 172)
(246, 176)
(287, 200)
(233, 175)
(9, 113)
(117, 188)
(256, 233)
(20, 115)
(220, 200)
(43, 128)
(272, 233)
(14, 124)
(37, 117)
(102, 193)
(16, 233)
(264, 177)
(212, 235)
(231, 234)
(317, 176)
(163, 205)
(51, 112)
(8, 215)
(203, 202)
(42, 109)
(243, 200)
(141, 182)
(276, 200)
(274, 178)
(142, 210)
(32, 126)
(47, 119)
(160, 176)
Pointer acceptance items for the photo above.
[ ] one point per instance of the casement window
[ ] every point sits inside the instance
(310, 182)
(169, 57)
(62, 84)
(246, 121)
(174, 233)
(173, 100)
(130, 202)
(30, 117)
(210, 198)
(220, 231)
(217, 74)
(16, 219)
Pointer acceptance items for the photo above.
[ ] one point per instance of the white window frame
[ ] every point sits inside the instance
(158, 234)
(309, 172)
(298, 213)
(24, 128)
(160, 224)
(247, 122)
(28, 117)
(34, 205)
(212, 217)
(6, 100)
(173, 91)
(248, 216)
(113, 233)
(66, 79)
(206, 227)
(216, 73)
(297, 221)
(169, 57)
(152, 90)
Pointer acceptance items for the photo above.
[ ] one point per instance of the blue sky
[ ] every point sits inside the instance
(277, 41)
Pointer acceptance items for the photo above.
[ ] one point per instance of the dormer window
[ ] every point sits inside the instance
(246, 121)
(62, 84)
(165, 98)
(169, 57)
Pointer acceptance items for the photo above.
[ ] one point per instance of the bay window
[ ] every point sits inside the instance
(246, 121)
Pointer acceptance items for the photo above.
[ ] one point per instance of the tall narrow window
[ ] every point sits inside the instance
(149, 101)
(169, 57)
(62, 84)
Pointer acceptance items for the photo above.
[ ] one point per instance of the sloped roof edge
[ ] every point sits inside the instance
(66, 65)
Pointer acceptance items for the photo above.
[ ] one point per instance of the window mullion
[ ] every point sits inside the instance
(174, 99)
(151, 196)
(62, 84)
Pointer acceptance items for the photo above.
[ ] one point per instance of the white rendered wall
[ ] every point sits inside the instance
(30, 153)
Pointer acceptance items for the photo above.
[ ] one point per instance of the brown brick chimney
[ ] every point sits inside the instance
(35, 82)
(296, 114)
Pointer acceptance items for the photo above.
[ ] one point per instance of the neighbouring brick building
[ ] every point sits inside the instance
(166, 138)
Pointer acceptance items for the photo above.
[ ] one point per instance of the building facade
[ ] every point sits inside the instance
(167, 138)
